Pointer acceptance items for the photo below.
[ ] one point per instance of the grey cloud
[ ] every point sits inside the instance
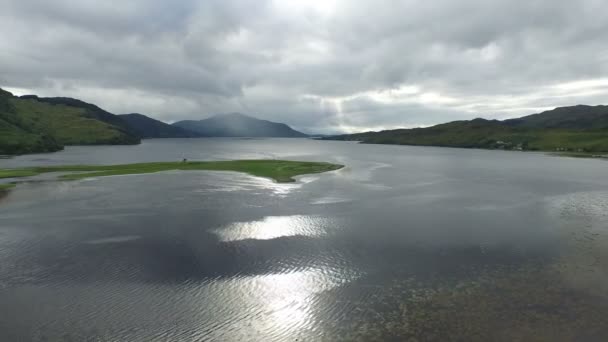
(319, 69)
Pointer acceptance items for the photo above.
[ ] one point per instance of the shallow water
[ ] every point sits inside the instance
(405, 242)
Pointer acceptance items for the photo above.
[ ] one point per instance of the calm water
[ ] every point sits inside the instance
(405, 242)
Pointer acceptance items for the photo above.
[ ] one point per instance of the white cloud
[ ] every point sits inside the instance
(319, 65)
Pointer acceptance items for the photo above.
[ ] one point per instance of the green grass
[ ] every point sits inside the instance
(29, 125)
(68, 125)
(17, 173)
(5, 187)
(16, 137)
(281, 171)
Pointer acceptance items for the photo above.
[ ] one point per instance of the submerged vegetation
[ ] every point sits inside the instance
(533, 302)
(4, 189)
(281, 171)
(488, 295)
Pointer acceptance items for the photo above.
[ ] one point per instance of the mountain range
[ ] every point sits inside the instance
(238, 125)
(148, 128)
(32, 124)
(577, 128)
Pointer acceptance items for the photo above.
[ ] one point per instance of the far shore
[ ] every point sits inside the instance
(558, 153)
(593, 155)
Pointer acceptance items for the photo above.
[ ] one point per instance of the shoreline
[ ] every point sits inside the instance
(280, 171)
(585, 155)
(572, 154)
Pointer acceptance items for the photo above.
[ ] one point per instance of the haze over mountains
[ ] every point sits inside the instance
(148, 128)
(239, 125)
(32, 124)
(222, 125)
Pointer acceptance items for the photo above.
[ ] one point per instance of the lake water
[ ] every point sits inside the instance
(404, 242)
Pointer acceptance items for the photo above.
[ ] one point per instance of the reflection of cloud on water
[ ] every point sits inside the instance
(228, 181)
(366, 172)
(495, 206)
(308, 178)
(113, 239)
(375, 186)
(273, 227)
(330, 200)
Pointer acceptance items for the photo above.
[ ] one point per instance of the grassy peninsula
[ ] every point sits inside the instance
(282, 171)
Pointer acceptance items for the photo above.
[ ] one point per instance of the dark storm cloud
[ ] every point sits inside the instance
(320, 65)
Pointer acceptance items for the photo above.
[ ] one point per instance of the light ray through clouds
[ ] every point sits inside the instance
(322, 66)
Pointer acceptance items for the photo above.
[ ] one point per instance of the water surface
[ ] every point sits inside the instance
(405, 242)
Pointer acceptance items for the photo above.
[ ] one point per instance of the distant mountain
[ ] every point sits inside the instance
(239, 125)
(147, 128)
(576, 128)
(30, 124)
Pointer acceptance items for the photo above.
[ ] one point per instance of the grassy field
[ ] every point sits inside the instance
(17, 173)
(281, 171)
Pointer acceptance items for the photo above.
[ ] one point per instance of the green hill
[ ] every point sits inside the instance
(30, 124)
(578, 128)
(579, 117)
(16, 137)
(74, 122)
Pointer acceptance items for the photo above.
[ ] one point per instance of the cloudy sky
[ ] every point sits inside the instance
(318, 65)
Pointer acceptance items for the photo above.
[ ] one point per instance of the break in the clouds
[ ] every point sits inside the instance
(319, 65)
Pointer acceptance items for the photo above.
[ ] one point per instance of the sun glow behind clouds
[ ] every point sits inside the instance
(325, 7)
(583, 85)
(404, 94)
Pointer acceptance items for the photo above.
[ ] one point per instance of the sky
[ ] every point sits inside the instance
(321, 66)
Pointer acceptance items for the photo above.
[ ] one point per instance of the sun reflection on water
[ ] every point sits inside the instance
(272, 227)
(275, 306)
